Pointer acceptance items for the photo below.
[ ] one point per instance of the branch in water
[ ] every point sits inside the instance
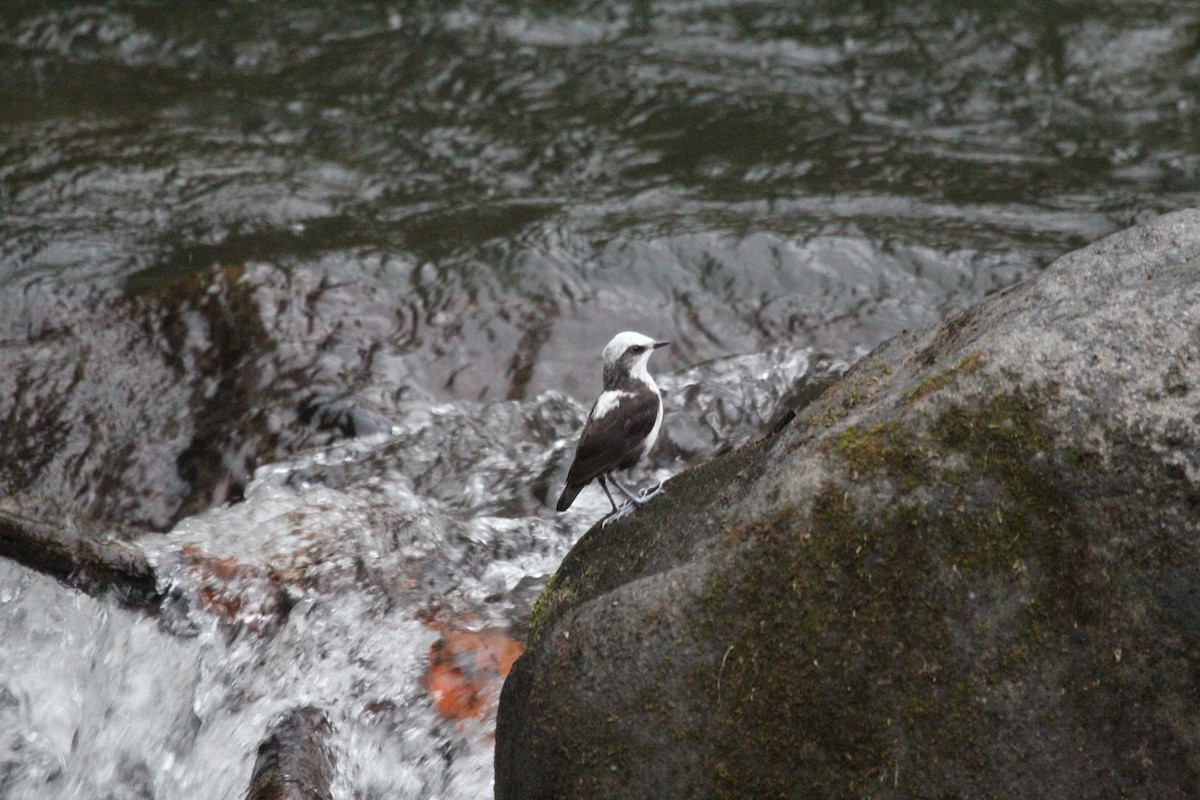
(92, 565)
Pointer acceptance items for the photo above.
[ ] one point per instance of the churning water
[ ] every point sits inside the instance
(327, 587)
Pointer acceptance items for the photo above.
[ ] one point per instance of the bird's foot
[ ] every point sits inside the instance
(646, 494)
(619, 513)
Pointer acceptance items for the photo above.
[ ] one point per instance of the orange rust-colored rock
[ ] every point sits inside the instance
(234, 592)
(467, 669)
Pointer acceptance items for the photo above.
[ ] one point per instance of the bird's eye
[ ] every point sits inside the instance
(637, 348)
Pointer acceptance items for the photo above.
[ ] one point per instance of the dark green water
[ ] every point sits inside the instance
(214, 213)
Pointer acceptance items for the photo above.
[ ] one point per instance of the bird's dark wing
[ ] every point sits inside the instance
(613, 438)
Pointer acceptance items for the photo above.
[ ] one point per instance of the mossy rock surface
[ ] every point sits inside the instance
(970, 569)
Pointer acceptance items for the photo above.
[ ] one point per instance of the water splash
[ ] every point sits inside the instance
(356, 578)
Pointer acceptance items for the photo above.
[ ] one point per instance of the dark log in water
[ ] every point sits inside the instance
(294, 762)
(82, 560)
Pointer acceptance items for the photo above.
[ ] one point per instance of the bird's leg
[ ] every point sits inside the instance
(604, 486)
(620, 513)
(616, 513)
(633, 498)
(648, 493)
(639, 499)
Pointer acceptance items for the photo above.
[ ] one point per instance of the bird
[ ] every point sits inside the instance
(623, 424)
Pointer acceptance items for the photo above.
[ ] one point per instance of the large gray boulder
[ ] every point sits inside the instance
(971, 568)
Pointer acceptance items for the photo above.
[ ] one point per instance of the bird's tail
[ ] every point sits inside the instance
(568, 495)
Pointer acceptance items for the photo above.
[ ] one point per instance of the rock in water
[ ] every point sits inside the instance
(970, 568)
(294, 761)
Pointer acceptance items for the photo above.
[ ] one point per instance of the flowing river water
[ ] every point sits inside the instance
(303, 302)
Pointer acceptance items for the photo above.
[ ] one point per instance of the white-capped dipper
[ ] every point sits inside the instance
(623, 424)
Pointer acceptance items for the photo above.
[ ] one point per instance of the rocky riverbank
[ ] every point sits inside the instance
(970, 568)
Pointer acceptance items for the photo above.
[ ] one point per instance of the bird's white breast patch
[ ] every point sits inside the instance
(607, 402)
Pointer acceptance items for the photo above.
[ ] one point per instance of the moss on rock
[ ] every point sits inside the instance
(973, 581)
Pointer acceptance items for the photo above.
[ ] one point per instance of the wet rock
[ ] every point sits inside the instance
(970, 568)
(467, 669)
(294, 761)
(133, 411)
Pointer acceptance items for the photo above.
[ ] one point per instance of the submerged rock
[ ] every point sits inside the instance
(970, 568)
(467, 669)
(294, 761)
(133, 411)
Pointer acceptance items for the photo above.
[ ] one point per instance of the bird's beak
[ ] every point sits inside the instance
(660, 344)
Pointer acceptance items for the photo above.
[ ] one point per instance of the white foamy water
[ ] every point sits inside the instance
(327, 587)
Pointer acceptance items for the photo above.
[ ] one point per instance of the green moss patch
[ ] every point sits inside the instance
(836, 667)
(887, 448)
(819, 624)
(940, 380)
(860, 385)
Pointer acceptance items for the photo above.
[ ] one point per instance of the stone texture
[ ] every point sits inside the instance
(971, 568)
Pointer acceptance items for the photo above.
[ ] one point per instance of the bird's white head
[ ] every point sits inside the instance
(626, 356)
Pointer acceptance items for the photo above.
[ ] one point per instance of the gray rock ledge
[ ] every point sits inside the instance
(971, 568)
